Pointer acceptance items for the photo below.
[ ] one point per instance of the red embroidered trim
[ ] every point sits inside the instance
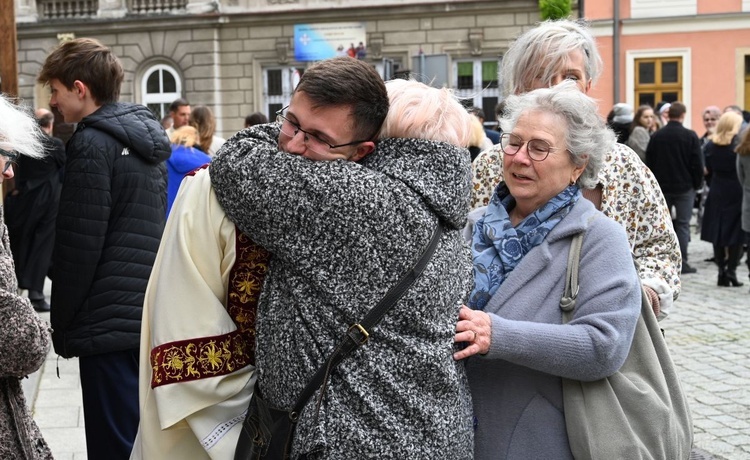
(195, 171)
(193, 359)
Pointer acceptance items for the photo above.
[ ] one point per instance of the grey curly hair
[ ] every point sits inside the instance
(587, 137)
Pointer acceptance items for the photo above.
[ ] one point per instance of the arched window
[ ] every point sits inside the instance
(159, 87)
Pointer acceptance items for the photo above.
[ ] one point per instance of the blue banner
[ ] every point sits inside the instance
(315, 42)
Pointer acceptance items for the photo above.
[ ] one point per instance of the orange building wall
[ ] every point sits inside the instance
(600, 10)
(712, 68)
(719, 6)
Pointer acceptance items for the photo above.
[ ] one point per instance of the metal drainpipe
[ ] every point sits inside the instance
(616, 51)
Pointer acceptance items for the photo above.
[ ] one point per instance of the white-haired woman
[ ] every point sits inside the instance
(24, 337)
(554, 144)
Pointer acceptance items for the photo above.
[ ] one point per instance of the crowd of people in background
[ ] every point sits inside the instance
(134, 208)
(688, 167)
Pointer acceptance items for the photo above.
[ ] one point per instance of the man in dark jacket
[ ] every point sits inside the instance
(674, 156)
(110, 221)
(31, 210)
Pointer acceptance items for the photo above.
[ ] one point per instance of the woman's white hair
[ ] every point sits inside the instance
(541, 51)
(587, 137)
(19, 130)
(423, 112)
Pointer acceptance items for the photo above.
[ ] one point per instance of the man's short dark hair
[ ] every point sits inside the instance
(477, 112)
(177, 103)
(46, 120)
(256, 118)
(676, 110)
(346, 81)
(88, 61)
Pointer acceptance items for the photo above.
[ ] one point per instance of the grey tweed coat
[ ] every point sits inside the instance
(341, 234)
(24, 344)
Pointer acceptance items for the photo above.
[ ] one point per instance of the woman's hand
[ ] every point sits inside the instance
(475, 328)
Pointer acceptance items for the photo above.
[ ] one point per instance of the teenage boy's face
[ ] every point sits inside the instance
(69, 102)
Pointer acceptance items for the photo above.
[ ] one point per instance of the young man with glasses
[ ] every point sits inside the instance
(198, 332)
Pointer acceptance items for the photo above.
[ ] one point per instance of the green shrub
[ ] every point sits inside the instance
(554, 9)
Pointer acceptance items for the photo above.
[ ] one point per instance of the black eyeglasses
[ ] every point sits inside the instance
(312, 142)
(538, 149)
(12, 158)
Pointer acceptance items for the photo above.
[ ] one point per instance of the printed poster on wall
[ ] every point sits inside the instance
(315, 42)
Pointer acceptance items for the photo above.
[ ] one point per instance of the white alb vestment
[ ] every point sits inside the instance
(197, 337)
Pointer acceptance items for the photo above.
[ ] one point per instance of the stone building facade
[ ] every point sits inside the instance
(238, 56)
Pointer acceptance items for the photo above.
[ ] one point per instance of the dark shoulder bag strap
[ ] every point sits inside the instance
(358, 333)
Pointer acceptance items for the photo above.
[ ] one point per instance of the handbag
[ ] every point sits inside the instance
(641, 411)
(268, 432)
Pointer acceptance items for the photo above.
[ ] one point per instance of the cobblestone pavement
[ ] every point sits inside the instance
(708, 332)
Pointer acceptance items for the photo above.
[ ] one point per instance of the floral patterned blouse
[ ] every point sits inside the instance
(632, 197)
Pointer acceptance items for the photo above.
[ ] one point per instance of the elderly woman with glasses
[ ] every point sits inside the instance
(554, 143)
(24, 337)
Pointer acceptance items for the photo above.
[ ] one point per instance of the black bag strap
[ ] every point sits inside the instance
(358, 333)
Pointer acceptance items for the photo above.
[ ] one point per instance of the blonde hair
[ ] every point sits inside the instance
(202, 119)
(477, 132)
(184, 135)
(727, 127)
(19, 130)
(423, 112)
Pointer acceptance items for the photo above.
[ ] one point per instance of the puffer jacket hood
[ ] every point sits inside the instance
(135, 127)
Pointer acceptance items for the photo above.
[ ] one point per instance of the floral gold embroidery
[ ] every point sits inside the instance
(203, 357)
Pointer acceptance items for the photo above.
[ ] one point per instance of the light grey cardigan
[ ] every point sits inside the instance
(516, 387)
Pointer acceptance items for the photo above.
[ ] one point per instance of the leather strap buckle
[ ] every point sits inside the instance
(358, 334)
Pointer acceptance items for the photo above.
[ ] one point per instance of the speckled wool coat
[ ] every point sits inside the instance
(24, 344)
(341, 234)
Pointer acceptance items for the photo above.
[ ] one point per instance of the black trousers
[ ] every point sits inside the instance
(109, 383)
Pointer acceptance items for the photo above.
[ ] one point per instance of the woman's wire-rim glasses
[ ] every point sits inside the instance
(12, 158)
(538, 149)
(312, 141)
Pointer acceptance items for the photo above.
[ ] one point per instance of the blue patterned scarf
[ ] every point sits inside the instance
(497, 247)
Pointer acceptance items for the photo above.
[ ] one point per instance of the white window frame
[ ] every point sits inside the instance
(687, 83)
(289, 79)
(161, 97)
(662, 8)
(478, 92)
